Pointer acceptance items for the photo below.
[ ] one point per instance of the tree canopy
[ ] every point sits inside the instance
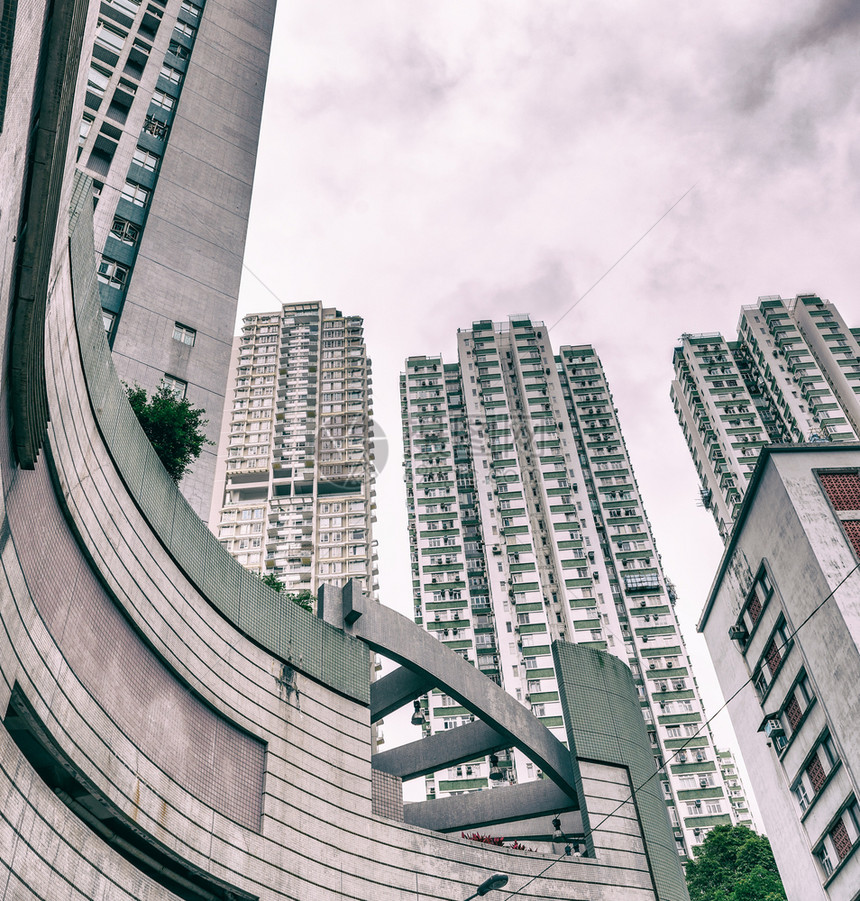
(303, 598)
(734, 863)
(174, 427)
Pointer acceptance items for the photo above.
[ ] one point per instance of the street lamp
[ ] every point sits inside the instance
(417, 715)
(497, 880)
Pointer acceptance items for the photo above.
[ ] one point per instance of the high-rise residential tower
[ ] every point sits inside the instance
(735, 787)
(169, 134)
(526, 525)
(792, 376)
(295, 490)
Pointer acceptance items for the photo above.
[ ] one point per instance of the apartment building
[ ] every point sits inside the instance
(169, 135)
(781, 626)
(295, 482)
(791, 376)
(735, 787)
(526, 525)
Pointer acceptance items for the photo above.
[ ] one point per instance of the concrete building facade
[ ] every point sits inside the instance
(168, 133)
(792, 375)
(782, 627)
(295, 492)
(527, 527)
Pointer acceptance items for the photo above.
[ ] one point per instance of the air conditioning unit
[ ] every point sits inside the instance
(662, 686)
(773, 729)
(703, 783)
(682, 757)
(700, 756)
(642, 603)
(669, 664)
(738, 632)
(698, 803)
(652, 665)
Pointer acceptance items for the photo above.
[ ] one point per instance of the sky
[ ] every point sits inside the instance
(624, 172)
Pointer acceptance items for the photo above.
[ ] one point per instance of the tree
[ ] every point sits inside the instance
(303, 598)
(174, 427)
(273, 582)
(734, 863)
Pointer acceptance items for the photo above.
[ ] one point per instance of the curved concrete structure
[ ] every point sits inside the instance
(169, 730)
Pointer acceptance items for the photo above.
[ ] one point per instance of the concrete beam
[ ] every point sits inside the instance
(444, 749)
(508, 804)
(394, 690)
(398, 638)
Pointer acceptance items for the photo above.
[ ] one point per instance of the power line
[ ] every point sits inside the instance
(626, 252)
(686, 744)
(246, 267)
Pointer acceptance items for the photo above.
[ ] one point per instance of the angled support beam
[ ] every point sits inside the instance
(387, 632)
(489, 808)
(444, 749)
(394, 690)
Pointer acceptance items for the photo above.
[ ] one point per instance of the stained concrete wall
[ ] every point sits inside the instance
(790, 528)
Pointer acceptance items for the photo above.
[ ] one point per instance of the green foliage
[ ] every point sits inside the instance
(734, 863)
(273, 582)
(303, 598)
(174, 427)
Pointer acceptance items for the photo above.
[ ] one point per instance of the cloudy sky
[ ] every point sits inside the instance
(427, 163)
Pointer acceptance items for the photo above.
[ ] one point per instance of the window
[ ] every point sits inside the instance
(145, 159)
(125, 231)
(156, 127)
(800, 795)
(178, 50)
(772, 657)
(187, 30)
(824, 859)
(841, 840)
(179, 387)
(184, 334)
(172, 75)
(97, 79)
(135, 193)
(110, 36)
(108, 320)
(190, 8)
(86, 125)
(165, 101)
(112, 273)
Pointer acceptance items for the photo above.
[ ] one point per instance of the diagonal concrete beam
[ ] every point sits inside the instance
(501, 805)
(394, 690)
(387, 632)
(427, 755)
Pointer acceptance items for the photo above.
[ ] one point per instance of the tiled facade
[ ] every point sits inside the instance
(526, 526)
